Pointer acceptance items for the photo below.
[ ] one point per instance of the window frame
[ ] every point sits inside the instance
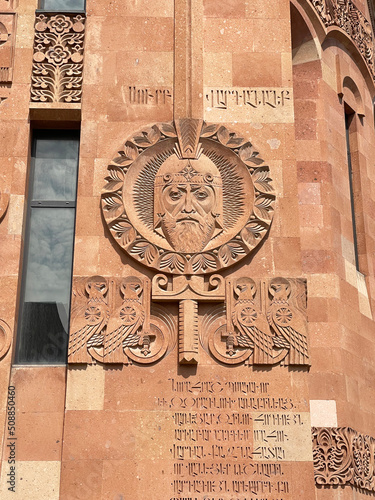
(30, 204)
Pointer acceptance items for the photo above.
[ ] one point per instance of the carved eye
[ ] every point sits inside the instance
(175, 195)
(201, 195)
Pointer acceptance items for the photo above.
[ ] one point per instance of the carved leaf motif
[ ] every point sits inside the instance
(252, 232)
(249, 156)
(113, 205)
(127, 155)
(209, 130)
(363, 466)
(203, 261)
(231, 251)
(124, 232)
(332, 455)
(168, 129)
(172, 261)
(148, 138)
(230, 139)
(115, 179)
(144, 250)
(58, 56)
(262, 180)
(263, 207)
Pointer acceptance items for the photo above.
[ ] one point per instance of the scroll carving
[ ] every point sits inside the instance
(345, 15)
(264, 323)
(198, 197)
(5, 338)
(112, 322)
(343, 456)
(58, 58)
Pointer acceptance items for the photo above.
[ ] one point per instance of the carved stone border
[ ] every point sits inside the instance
(169, 261)
(58, 58)
(345, 15)
(343, 456)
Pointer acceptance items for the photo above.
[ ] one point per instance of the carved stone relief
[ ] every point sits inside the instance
(198, 197)
(263, 323)
(5, 338)
(112, 322)
(343, 456)
(189, 199)
(7, 38)
(58, 58)
(345, 15)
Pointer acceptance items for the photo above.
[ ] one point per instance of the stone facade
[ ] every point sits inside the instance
(222, 330)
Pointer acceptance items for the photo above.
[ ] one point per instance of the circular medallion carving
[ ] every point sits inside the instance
(188, 198)
(5, 338)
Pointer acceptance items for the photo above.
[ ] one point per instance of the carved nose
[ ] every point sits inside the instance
(188, 208)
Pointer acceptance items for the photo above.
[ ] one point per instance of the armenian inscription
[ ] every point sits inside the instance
(233, 440)
(249, 104)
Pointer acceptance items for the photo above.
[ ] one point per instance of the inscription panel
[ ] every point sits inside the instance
(200, 432)
(265, 105)
(222, 448)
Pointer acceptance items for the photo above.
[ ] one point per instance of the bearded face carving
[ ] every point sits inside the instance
(188, 203)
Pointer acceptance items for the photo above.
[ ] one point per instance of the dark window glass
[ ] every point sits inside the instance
(62, 5)
(348, 125)
(45, 303)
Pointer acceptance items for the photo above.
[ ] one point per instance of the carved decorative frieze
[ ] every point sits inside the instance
(7, 42)
(263, 323)
(5, 338)
(112, 322)
(343, 456)
(345, 15)
(187, 197)
(58, 58)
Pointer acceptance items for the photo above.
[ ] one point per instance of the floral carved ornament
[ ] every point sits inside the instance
(58, 58)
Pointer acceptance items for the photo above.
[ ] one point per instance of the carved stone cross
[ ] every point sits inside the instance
(188, 291)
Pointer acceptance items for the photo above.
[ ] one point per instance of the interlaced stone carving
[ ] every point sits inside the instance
(264, 323)
(345, 15)
(58, 58)
(112, 322)
(343, 456)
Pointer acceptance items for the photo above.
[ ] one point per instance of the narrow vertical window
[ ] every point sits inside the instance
(48, 254)
(349, 118)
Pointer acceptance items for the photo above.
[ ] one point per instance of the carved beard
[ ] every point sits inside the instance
(188, 236)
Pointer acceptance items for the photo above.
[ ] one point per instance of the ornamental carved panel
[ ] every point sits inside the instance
(58, 58)
(343, 456)
(188, 200)
(7, 42)
(126, 320)
(112, 321)
(345, 15)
